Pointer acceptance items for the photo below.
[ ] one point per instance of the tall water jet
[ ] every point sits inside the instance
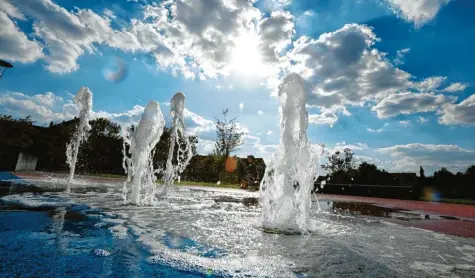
(285, 192)
(177, 107)
(83, 101)
(139, 166)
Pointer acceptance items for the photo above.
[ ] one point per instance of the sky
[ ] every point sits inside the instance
(391, 79)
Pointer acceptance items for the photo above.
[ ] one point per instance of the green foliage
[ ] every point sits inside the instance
(340, 169)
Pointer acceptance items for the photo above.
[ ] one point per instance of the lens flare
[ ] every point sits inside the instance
(431, 194)
(116, 70)
(231, 164)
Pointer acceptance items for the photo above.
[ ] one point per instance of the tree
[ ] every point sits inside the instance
(470, 171)
(337, 163)
(340, 169)
(421, 173)
(228, 135)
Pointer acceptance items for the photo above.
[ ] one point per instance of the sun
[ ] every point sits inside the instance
(246, 58)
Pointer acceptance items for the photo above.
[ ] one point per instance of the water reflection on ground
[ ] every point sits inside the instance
(203, 232)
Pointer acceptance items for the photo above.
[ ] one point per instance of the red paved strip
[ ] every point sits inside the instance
(43, 175)
(449, 227)
(443, 209)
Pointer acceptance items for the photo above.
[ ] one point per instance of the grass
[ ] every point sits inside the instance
(197, 183)
(209, 184)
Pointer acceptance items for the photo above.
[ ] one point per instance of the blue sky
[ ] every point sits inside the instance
(391, 79)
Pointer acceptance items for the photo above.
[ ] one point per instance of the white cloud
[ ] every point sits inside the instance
(274, 5)
(410, 156)
(260, 112)
(328, 116)
(20, 105)
(422, 120)
(410, 103)
(175, 33)
(400, 54)
(15, 45)
(252, 145)
(430, 84)
(269, 132)
(405, 123)
(323, 119)
(379, 130)
(342, 68)
(241, 106)
(418, 11)
(47, 107)
(11, 10)
(461, 113)
(205, 147)
(196, 124)
(47, 99)
(340, 147)
(455, 87)
(109, 14)
(354, 147)
(275, 34)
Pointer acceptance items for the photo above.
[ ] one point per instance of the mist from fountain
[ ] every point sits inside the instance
(83, 101)
(172, 172)
(285, 192)
(138, 162)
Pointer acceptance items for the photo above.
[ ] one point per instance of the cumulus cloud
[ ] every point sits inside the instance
(241, 106)
(417, 11)
(410, 103)
(455, 87)
(260, 112)
(342, 68)
(21, 105)
(374, 130)
(274, 5)
(253, 145)
(275, 34)
(410, 156)
(47, 107)
(48, 99)
(461, 113)
(174, 32)
(405, 122)
(340, 147)
(430, 84)
(198, 125)
(15, 45)
(327, 116)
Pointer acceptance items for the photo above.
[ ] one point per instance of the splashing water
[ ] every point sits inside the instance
(177, 107)
(139, 166)
(83, 101)
(285, 192)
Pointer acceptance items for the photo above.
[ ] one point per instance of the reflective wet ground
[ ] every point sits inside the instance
(197, 232)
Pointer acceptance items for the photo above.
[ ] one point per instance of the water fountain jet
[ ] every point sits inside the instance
(139, 166)
(285, 192)
(83, 101)
(177, 107)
